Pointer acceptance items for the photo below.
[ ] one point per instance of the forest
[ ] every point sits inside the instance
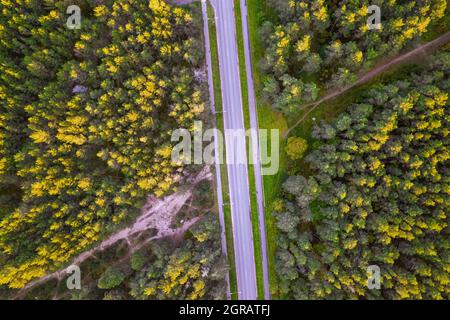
(376, 191)
(317, 46)
(85, 125)
(188, 265)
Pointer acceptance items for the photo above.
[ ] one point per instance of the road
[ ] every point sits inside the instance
(216, 143)
(238, 182)
(255, 148)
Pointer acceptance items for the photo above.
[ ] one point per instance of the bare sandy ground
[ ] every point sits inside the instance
(180, 2)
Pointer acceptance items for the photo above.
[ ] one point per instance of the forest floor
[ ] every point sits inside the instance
(157, 215)
(374, 72)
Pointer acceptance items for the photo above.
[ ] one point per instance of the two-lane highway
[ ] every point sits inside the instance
(238, 182)
(216, 141)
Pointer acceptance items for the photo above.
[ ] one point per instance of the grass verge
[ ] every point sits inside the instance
(267, 119)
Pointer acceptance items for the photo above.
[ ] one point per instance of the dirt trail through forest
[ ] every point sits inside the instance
(156, 214)
(422, 49)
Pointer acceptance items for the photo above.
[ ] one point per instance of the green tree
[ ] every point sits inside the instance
(296, 147)
(111, 278)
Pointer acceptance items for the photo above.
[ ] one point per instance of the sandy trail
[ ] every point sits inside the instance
(156, 214)
(181, 2)
(426, 47)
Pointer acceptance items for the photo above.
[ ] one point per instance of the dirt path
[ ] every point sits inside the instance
(181, 2)
(156, 214)
(424, 48)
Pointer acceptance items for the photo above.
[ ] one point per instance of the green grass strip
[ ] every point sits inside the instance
(267, 119)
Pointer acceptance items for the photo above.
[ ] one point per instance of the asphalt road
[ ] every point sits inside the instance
(216, 143)
(238, 183)
(255, 148)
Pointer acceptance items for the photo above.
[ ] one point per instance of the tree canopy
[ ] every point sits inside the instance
(318, 45)
(379, 194)
(85, 121)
